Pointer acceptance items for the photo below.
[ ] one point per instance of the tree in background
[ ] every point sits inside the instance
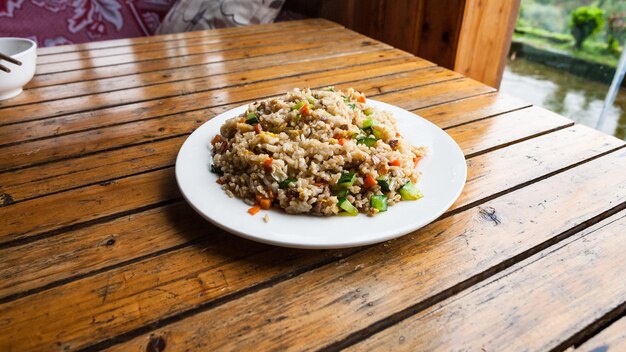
(585, 21)
(616, 30)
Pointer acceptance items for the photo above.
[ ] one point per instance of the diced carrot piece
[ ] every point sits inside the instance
(255, 209)
(370, 181)
(361, 99)
(267, 164)
(341, 141)
(397, 134)
(304, 110)
(415, 161)
(217, 138)
(395, 163)
(258, 128)
(265, 203)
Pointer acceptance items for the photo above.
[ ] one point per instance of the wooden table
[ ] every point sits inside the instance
(99, 251)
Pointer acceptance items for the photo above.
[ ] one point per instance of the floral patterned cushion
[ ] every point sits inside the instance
(58, 22)
(193, 15)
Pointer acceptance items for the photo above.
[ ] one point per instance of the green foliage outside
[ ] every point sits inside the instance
(591, 30)
(585, 21)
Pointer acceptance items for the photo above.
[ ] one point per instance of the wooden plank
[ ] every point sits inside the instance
(482, 106)
(488, 25)
(197, 89)
(113, 52)
(534, 305)
(345, 45)
(613, 338)
(507, 129)
(436, 94)
(253, 41)
(181, 61)
(60, 257)
(62, 175)
(221, 32)
(46, 150)
(368, 286)
(31, 217)
(518, 164)
(137, 292)
(440, 30)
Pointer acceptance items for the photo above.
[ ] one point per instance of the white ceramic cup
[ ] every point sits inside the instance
(24, 50)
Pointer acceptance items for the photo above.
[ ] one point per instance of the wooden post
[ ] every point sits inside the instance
(485, 38)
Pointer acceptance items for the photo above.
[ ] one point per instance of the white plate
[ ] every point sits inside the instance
(443, 176)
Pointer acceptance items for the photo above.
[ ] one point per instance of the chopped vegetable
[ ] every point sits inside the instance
(368, 123)
(410, 192)
(361, 99)
(265, 203)
(397, 134)
(216, 170)
(346, 180)
(416, 160)
(344, 204)
(345, 98)
(383, 183)
(258, 128)
(369, 181)
(255, 209)
(352, 106)
(252, 119)
(341, 141)
(216, 139)
(368, 111)
(298, 106)
(377, 133)
(330, 89)
(379, 202)
(368, 141)
(342, 193)
(304, 110)
(285, 183)
(394, 162)
(311, 101)
(267, 164)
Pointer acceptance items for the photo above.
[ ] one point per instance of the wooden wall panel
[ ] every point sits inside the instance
(485, 39)
(469, 36)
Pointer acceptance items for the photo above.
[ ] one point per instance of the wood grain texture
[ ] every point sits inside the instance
(485, 38)
(367, 287)
(31, 217)
(222, 32)
(200, 47)
(534, 305)
(613, 338)
(171, 122)
(168, 284)
(346, 44)
(107, 165)
(517, 164)
(99, 251)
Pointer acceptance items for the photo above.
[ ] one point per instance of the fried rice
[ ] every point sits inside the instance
(319, 152)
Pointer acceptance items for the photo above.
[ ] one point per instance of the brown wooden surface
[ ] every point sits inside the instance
(485, 39)
(99, 251)
(469, 36)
